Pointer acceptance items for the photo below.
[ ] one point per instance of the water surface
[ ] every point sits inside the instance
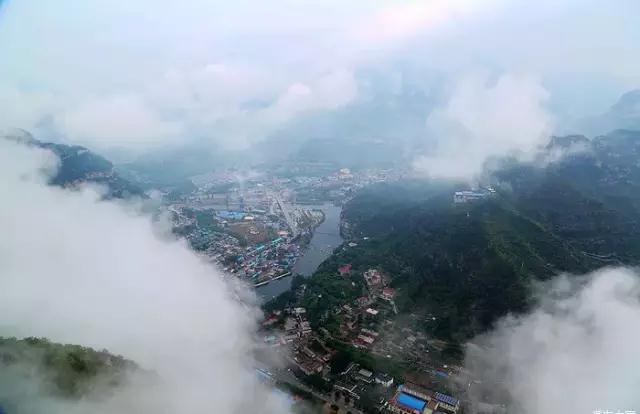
(325, 239)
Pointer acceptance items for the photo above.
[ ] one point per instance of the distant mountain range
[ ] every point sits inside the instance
(624, 114)
(385, 129)
(79, 165)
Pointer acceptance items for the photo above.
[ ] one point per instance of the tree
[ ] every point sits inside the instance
(317, 382)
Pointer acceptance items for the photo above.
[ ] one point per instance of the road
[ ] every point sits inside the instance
(287, 377)
(287, 215)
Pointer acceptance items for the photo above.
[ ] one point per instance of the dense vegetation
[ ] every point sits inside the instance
(469, 264)
(68, 371)
(79, 165)
(591, 198)
(464, 264)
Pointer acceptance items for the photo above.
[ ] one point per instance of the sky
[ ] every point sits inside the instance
(148, 73)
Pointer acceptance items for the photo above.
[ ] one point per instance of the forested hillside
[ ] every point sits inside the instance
(64, 371)
(471, 263)
(79, 165)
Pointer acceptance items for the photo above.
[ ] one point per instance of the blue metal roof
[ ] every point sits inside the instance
(411, 401)
(446, 399)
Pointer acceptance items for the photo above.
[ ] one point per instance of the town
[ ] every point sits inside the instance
(256, 227)
(358, 365)
(365, 356)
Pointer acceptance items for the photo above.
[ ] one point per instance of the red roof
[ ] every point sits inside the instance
(270, 319)
(346, 268)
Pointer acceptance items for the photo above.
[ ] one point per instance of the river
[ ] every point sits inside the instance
(325, 239)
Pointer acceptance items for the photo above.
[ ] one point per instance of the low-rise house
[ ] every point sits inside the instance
(365, 376)
(467, 196)
(388, 293)
(373, 277)
(383, 379)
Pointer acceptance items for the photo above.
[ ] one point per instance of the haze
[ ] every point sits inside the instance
(461, 178)
(112, 74)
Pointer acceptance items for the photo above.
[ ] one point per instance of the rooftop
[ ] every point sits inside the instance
(447, 399)
(365, 373)
(410, 401)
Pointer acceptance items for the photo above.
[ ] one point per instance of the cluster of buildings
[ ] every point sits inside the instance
(338, 185)
(253, 246)
(264, 262)
(370, 324)
(312, 356)
(377, 285)
(260, 222)
(256, 245)
(366, 324)
(295, 326)
(461, 197)
(412, 398)
(309, 354)
(361, 319)
(355, 381)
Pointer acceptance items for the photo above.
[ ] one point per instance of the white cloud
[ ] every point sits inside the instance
(23, 107)
(79, 270)
(404, 20)
(117, 120)
(195, 65)
(576, 352)
(147, 73)
(328, 91)
(484, 119)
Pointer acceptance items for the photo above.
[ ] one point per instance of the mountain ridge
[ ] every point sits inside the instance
(79, 165)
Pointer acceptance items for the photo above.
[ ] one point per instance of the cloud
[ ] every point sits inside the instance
(162, 73)
(79, 270)
(404, 20)
(146, 74)
(329, 91)
(484, 119)
(575, 352)
(226, 71)
(24, 107)
(117, 120)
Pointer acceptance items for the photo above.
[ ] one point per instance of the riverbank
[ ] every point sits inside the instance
(272, 279)
(325, 238)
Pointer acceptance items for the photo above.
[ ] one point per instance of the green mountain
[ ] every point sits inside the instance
(79, 165)
(56, 370)
(464, 264)
(590, 198)
(170, 166)
(467, 264)
(625, 114)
